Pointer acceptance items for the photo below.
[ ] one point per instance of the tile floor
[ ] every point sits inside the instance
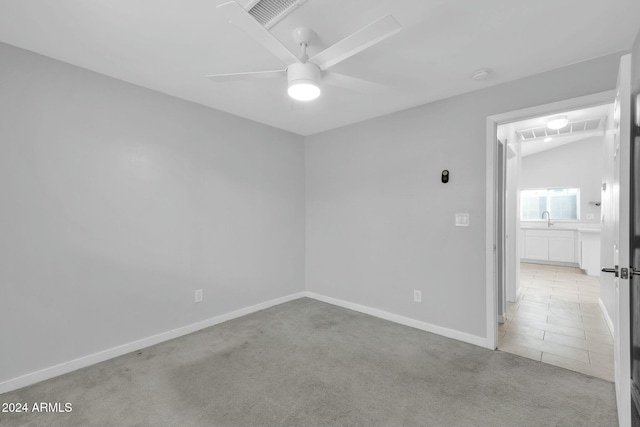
(557, 320)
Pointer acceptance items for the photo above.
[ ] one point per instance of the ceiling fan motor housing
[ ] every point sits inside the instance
(303, 72)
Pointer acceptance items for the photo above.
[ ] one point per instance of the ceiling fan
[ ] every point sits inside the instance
(303, 73)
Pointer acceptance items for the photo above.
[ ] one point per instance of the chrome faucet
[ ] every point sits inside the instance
(549, 223)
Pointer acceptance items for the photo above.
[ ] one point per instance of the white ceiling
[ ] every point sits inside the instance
(534, 146)
(170, 45)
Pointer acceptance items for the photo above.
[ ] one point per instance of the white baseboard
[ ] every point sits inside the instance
(607, 318)
(518, 294)
(424, 326)
(81, 362)
(545, 262)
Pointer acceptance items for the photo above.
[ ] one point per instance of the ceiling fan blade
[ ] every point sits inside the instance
(247, 76)
(239, 17)
(362, 39)
(352, 83)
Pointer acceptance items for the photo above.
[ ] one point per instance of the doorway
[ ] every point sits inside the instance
(550, 181)
(616, 258)
(498, 231)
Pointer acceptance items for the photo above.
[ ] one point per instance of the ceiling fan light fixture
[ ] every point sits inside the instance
(303, 90)
(303, 72)
(303, 81)
(557, 122)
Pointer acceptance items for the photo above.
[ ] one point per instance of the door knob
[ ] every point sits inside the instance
(611, 270)
(627, 274)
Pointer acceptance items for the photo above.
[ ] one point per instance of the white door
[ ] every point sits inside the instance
(616, 248)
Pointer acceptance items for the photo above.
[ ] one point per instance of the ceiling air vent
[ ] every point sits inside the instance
(588, 125)
(270, 12)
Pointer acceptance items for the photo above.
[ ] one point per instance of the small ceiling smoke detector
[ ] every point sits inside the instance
(480, 75)
(557, 122)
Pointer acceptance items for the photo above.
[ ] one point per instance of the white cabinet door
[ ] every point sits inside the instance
(536, 247)
(562, 249)
(550, 245)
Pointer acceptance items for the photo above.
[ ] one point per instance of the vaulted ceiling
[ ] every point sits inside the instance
(573, 132)
(170, 46)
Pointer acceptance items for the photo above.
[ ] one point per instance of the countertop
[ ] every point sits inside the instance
(578, 227)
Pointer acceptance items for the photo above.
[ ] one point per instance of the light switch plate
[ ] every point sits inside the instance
(462, 220)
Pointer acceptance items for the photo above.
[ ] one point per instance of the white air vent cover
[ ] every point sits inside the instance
(269, 12)
(588, 125)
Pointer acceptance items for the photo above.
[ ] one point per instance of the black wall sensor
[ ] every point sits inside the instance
(445, 176)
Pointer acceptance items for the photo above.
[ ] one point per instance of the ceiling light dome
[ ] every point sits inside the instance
(557, 122)
(303, 91)
(304, 81)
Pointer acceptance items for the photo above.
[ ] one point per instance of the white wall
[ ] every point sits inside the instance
(512, 217)
(379, 221)
(118, 202)
(578, 164)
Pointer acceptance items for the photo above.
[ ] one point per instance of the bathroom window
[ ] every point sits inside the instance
(561, 203)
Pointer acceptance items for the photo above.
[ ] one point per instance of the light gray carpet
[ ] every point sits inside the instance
(306, 363)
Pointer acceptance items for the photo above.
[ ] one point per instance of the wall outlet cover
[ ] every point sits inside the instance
(198, 295)
(462, 220)
(417, 296)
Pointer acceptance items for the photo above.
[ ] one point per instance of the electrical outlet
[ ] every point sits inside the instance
(590, 216)
(198, 295)
(417, 296)
(462, 220)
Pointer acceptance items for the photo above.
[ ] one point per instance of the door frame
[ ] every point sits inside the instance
(492, 262)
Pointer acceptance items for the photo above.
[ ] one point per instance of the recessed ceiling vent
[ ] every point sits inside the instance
(588, 125)
(270, 12)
